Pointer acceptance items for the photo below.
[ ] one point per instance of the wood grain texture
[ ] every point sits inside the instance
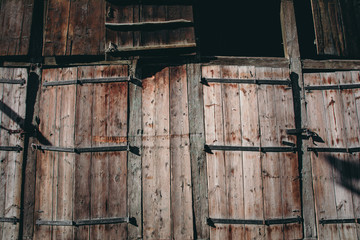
(15, 22)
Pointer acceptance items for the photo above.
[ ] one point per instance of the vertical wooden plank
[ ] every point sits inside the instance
(135, 190)
(214, 135)
(65, 162)
(233, 160)
(271, 176)
(153, 13)
(289, 163)
(3, 142)
(181, 35)
(181, 194)
(156, 163)
(322, 172)
(56, 27)
(45, 160)
(117, 127)
(83, 162)
(253, 196)
(197, 154)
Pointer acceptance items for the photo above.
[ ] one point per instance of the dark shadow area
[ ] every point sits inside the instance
(349, 172)
(240, 28)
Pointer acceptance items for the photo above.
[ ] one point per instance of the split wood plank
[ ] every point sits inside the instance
(45, 160)
(322, 172)
(289, 163)
(270, 162)
(337, 138)
(233, 161)
(156, 157)
(83, 162)
(197, 154)
(15, 22)
(181, 184)
(214, 135)
(63, 186)
(253, 195)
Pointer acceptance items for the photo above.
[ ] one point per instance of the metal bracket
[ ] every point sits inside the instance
(12, 81)
(128, 148)
(88, 222)
(306, 134)
(336, 150)
(333, 87)
(16, 148)
(206, 81)
(13, 220)
(131, 79)
(339, 221)
(212, 221)
(209, 148)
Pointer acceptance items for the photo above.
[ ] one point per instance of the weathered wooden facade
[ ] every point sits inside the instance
(115, 125)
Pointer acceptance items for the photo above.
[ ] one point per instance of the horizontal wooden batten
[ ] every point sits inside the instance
(333, 87)
(133, 80)
(131, 149)
(268, 222)
(151, 2)
(206, 81)
(181, 48)
(209, 148)
(11, 148)
(150, 26)
(336, 150)
(339, 221)
(9, 220)
(12, 81)
(87, 222)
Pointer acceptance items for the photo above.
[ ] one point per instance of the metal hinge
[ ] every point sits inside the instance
(306, 134)
(13, 220)
(212, 221)
(12, 81)
(131, 79)
(16, 148)
(336, 150)
(209, 148)
(339, 221)
(333, 87)
(88, 222)
(206, 81)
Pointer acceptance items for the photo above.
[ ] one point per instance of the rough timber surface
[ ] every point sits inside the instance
(250, 185)
(12, 115)
(15, 27)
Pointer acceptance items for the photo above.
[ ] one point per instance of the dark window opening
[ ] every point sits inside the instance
(240, 28)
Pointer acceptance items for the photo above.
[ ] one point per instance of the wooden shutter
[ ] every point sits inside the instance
(13, 82)
(149, 25)
(15, 27)
(81, 177)
(333, 114)
(74, 27)
(253, 177)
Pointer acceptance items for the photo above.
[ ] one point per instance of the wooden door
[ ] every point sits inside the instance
(13, 82)
(252, 165)
(333, 114)
(81, 178)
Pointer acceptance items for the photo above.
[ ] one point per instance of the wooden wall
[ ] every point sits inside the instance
(12, 120)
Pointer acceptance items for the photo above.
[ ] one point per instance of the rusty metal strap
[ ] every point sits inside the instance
(87, 222)
(12, 81)
(149, 26)
(209, 148)
(212, 221)
(335, 150)
(129, 148)
(206, 81)
(339, 221)
(333, 87)
(10, 220)
(131, 79)
(16, 148)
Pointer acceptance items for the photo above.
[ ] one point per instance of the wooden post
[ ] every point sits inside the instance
(292, 52)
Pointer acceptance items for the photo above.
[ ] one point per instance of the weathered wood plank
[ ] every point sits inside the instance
(214, 135)
(322, 172)
(253, 195)
(233, 160)
(331, 64)
(45, 160)
(271, 164)
(153, 13)
(181, 35)
(83, 162)
(181, 193)
(197, 154)
(3, 142)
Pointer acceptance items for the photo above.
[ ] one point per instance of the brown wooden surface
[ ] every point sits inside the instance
(12, 117)
(15, 26)
(74, 28)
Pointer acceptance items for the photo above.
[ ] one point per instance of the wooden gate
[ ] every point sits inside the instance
(252, 165)
(13, 82)
(333, 117)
